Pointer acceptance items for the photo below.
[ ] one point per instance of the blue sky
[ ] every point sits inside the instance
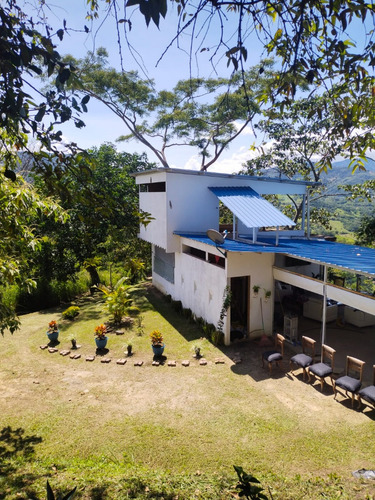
(101, 124)
(149, 43)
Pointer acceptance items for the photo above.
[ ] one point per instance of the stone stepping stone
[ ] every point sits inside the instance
(64, 352)
(138, 363)
(185, 362)
(75, 356)
(203, 362)
(105, 360)
(155, 363)
(90, 358)
(172, 363)
(52, 349)
(119, 332)
(219, 361)
(121, 361)
(45, 346)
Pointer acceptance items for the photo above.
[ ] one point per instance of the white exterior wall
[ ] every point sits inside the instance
(188, 205)
(259, 268)
(156, 231)
(198, 284)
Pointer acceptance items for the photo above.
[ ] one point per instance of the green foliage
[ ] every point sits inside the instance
(318, 45)
(140, 326)
(246, 488)
(104, 220)
(217, 337)
(177, 306)
(365, 234)
(118, 300)
(71, 313)
(51, 293)
(22, 209)
(27, 53)
(300, 134)
(227, 299)
(51, 496)
(198, 112)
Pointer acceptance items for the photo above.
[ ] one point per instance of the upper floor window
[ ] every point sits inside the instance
(153, 187)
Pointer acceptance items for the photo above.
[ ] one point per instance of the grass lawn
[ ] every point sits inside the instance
(168, 432)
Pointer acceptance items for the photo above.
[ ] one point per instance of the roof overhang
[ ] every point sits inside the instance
(251, 208)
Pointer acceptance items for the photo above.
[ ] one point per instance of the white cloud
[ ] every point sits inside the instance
(246, 131)
(230, 165)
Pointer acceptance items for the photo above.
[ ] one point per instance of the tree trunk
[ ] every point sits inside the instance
(94, 275)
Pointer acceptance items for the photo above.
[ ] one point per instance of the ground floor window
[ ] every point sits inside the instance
(164, 264)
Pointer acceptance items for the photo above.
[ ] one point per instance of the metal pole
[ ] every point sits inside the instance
(324, 311)
(308, 214)
(303, 214)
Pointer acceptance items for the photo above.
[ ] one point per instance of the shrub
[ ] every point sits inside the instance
(133, 311)
(71, 312)
(177, 305)
(187, 313)
(217, 338)
(208, 330)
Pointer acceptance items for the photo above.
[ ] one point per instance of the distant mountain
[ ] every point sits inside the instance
(369, 165)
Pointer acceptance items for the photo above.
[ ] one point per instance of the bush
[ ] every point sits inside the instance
(71, 312)
(217, 338)
(177, 305)
(133, 311)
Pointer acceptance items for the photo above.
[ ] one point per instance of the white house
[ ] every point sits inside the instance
(259, 251)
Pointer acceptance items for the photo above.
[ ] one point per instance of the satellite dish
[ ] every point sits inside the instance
(215, 236)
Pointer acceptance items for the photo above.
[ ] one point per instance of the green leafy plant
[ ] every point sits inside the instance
(140, 326)
(51, 496)
(118, 301)
(267, 294)
(156, 338)
(227, 299)
(246, 488)
(71, 312)
(256, 289)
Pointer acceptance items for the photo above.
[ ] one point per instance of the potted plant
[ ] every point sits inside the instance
(197, 350)
(256, 290)
(100, 336)
(157, 342)
(73, 340)
(129, 347)
(53, 331)
(267, 295)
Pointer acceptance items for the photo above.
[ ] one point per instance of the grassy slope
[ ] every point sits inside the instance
(150, 432)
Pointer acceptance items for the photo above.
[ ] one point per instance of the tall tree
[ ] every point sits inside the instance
(103, 217)
(25, 110)
(21, 208)
(295, 141)
(206, 114)
(325, 44)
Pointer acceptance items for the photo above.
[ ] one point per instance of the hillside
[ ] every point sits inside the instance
(346, 213)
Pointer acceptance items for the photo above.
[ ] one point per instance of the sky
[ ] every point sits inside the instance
(102, 125)
(149, 44)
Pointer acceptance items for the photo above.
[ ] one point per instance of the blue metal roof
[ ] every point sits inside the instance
(250, 207)
(350, 257)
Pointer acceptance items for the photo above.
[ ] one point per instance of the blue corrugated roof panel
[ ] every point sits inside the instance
(351, 257)
(250, 207)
